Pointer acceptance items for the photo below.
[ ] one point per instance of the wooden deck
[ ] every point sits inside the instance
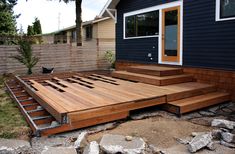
(77, 100)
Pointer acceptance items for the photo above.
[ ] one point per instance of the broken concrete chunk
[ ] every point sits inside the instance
(223, 123)
(92, 148)
(129, 138)
(183, 141)
(54, 124)
(81, 141)
(199, 142)
(13, 146)
(228, 137)
(194, 134)
(59, 150)
(211, 146)
(113, 144)
(154, 150)
(216, 134)
(230, 145)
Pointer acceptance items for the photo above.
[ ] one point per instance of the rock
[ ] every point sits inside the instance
(40, 142)
(54, 124)
(183, 141)
(194, 134)
(143, 115)
(81, 141)
(103, 127)
(92, 148)
(154, 150)
(129, 138)
(199, 142)
(228, 137)
(113, 144)
(223, 123)
(59, 150)
(230, 145)
(13, 146)
(216, 134)
(39, 107)
(211, 146)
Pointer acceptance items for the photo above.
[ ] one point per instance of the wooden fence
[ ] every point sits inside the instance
(63, 57)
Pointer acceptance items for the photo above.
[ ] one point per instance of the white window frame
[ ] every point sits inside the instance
(160, 8)
(217, 13)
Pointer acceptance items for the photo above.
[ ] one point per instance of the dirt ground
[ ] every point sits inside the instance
(162, 131)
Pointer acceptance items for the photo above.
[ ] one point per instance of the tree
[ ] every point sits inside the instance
(25, 55)
(37, 26)
(30, 30)
(7, 17)
(78, 4)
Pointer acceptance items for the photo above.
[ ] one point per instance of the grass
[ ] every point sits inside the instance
(12, 123)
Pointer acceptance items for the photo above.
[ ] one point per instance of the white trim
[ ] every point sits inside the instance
(160, 8)
(217, 13)
(139, 37)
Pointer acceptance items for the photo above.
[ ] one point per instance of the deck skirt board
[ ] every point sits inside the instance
(78, 100)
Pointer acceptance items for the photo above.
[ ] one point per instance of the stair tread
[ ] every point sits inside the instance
(153, 77)
(155, 68)
(198, 99)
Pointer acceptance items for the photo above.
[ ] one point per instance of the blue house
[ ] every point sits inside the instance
(193, 33)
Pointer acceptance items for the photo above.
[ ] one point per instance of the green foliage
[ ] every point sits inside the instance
(30, 31)
(25, 55)
(7, 18)
(110, 57)
(37, 26)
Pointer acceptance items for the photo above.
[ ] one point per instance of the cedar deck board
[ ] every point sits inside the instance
(155, 80)
(155, 70)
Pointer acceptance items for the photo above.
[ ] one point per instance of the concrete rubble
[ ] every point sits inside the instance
(81, 141)
(92, 148)
(59, 150)
(113, 144)
(223, 124)
(8, 146)
(200, 141)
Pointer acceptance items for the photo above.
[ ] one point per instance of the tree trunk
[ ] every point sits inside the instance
(79, 22)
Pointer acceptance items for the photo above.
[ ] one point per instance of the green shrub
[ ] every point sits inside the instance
(110, 57)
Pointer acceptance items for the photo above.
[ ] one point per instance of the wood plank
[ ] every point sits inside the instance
(154, 80)
(55, 111)
(77, 116)
(155, 70)
(85, 123)
(201, 101)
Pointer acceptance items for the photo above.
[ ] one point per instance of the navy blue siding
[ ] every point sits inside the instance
(135, 49)
(207, 43)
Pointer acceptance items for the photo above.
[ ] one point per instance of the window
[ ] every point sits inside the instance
(225, 9)
(141, 25)
(89, 32)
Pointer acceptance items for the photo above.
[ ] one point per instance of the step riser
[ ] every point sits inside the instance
(187, 94)
(197, 102)
(204, 104)
(155, 73)
(154, 81)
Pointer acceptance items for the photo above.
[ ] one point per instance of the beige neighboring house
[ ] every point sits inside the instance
(99, 29)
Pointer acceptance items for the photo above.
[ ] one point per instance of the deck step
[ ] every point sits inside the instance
(155, 70)
(197, 102)
(154, 80)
